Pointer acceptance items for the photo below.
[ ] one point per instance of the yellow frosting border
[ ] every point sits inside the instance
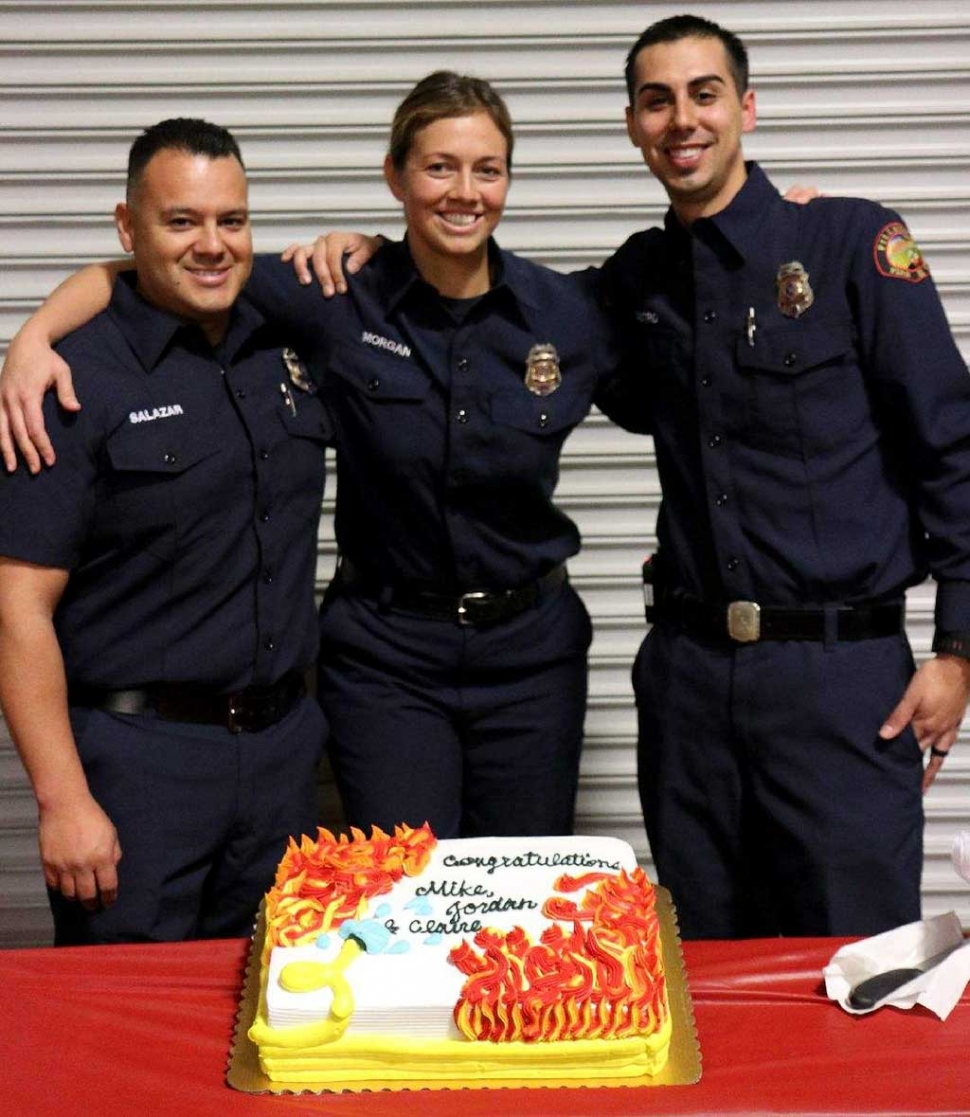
(365, 1058)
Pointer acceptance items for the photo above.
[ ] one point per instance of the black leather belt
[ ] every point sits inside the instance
(746, 622)
(476, 608)
(244, 711)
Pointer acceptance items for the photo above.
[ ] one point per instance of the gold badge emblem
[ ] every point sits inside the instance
(795, 294)
(897, 255)
(299, 376)
(542, 374)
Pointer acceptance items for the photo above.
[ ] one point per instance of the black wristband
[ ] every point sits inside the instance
(952, 643)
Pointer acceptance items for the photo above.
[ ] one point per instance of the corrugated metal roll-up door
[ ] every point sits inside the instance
(857, 97)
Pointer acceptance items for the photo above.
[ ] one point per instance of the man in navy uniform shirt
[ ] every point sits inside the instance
(811, 415)
(156, 588)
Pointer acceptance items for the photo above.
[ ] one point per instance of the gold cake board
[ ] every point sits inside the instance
(683, 1064)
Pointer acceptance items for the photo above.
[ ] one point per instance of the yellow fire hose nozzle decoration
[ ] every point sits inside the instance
(307, 977)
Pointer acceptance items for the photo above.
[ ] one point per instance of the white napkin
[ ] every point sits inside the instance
(938, 990)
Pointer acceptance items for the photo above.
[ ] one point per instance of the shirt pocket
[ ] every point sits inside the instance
(543, 416)
(801, 387)
(375, 379)
(157, 451)
(152, 480)
(386, 418)
(311, 421)
(526, 434)
(300, 471)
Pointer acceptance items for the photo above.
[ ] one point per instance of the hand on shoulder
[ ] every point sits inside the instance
(332, 257)
(29, 371)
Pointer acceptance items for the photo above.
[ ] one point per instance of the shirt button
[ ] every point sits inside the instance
(373, 384)
(543, 420)
(710, 315)
(240, 393)
(706, 381)
(462, 364)
(170, 459)
(733, 564)
(263, 455)
(268, 576)
(264, 517)
(790, 359)
(462, 416)
(269, 643)
(714, 441)
(721, 500)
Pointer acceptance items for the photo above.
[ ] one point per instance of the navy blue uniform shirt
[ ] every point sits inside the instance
(184, 502)
(809, 459)
(446, 461)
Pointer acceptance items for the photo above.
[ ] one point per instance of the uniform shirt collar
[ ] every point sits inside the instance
(509, 274)
(151, 331)
(740, 221)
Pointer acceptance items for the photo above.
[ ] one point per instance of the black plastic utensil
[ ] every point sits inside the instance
(869, 992)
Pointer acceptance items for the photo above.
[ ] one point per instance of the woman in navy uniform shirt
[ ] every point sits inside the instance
(453, 663)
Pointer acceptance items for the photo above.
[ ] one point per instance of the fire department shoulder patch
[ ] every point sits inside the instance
(897, 255)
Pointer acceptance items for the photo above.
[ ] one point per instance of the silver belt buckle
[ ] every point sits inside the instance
(474, 595)
(744, 621)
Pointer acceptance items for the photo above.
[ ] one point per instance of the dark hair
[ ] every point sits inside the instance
(673, 29)
(180, 133)
(438, 96)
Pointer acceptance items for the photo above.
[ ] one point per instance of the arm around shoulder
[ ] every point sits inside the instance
(32, 367)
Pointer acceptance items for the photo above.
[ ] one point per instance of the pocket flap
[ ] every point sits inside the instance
(376, 376)
(790, 351)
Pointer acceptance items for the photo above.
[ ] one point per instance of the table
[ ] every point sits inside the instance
(144, 1030)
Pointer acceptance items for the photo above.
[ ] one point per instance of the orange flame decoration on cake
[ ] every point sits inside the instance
(321, 883)
(602, 980)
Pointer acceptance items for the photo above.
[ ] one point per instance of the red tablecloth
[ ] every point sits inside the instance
(146, 1030)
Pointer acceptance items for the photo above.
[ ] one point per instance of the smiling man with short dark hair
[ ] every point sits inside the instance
(811, 415)
(156, 588)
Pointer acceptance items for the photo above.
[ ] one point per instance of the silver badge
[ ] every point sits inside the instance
(299, 376)
(542, 374)
(795, 293)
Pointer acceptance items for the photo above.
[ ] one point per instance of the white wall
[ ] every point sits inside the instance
(856, 97)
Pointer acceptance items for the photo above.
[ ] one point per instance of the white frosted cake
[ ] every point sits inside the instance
(399, 957)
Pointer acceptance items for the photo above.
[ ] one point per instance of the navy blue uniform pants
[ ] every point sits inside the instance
(203, 816)
(771, 804)
(477, 731)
